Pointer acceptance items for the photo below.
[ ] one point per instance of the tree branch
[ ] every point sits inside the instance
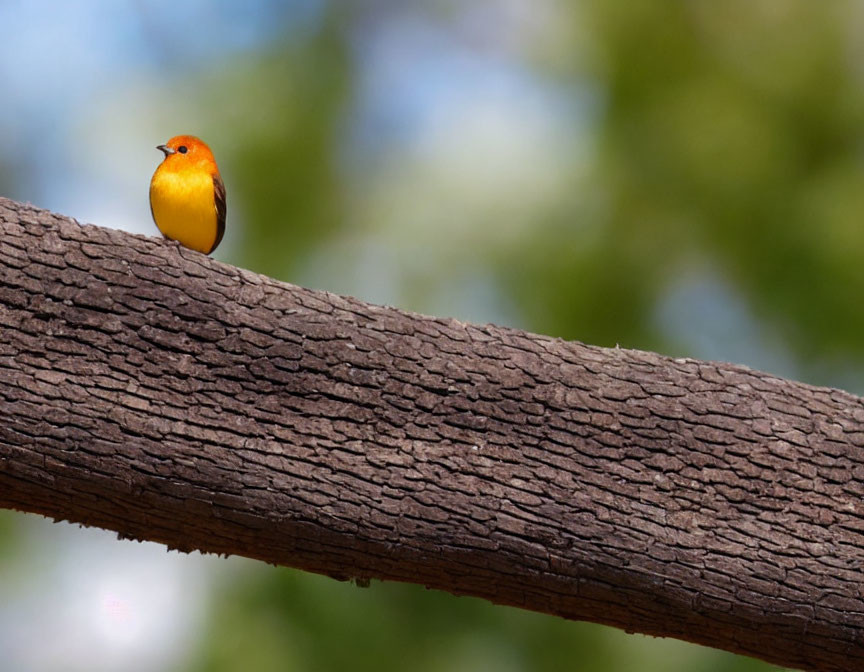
(153, 391)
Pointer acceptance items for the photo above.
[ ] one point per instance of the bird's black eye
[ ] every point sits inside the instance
(182, 149)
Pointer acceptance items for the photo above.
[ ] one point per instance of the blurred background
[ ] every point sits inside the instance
(683, 176)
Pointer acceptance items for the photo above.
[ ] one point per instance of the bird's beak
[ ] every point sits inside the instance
(165, 149)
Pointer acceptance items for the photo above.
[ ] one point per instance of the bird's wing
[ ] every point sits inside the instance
(221, 209)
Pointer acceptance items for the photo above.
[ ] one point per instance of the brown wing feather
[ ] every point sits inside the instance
(221, 209)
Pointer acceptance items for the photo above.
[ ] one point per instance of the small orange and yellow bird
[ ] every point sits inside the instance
(187, 196)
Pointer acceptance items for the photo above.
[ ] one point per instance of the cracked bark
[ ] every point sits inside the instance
(153, 391)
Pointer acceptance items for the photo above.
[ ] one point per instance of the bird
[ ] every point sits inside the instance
(187, 195)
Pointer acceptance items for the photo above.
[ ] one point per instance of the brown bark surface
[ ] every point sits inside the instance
(153, 391)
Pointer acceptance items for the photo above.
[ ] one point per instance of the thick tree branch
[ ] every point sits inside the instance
(153, 391)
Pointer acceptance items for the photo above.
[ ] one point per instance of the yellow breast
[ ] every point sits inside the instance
(184, 207)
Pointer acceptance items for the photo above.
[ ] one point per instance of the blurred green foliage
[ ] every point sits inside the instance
(9, 537)
(731, 138)
(285, 103)
(290, 621)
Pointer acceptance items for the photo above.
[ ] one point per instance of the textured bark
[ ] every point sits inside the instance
(153, 391)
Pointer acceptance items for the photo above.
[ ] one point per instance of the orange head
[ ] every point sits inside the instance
(185, 152)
